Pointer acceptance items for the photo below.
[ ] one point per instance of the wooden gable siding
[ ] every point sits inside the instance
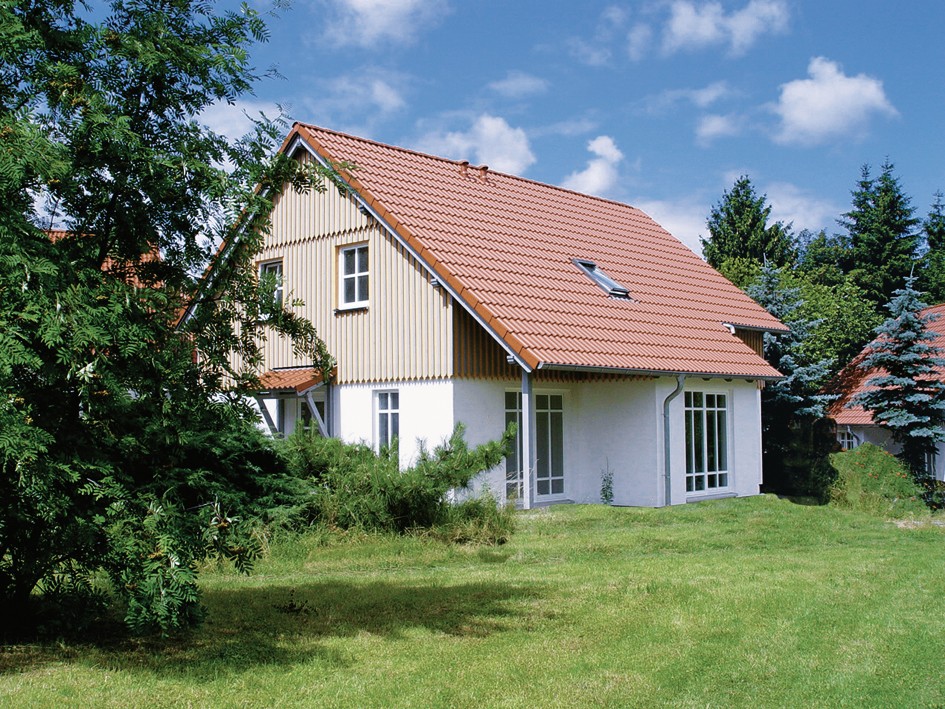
(406, 330)
(752, 338)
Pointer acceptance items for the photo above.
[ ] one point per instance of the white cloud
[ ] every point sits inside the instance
(518, 84)
(789, 203)
(356, 102)
(490, 141)
(829, 105)
(366, 23)
(715, 126)
(701, 98)
(234, 120)
(596, 51)
(693, 26)
(600, 176)
(638, 41)
(684, 218)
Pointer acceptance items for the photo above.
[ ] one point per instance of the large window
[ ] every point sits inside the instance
(706, 441)
(388, 418)
(549, 445)
(273, 270)
(353, 276)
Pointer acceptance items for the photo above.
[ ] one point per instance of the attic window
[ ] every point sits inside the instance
(596, 274)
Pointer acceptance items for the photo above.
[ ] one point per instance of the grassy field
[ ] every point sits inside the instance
(750, 602)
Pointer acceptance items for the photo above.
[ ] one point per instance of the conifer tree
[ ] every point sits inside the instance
(933, 272)
(741, 239)
(905, 393)
(881, 230)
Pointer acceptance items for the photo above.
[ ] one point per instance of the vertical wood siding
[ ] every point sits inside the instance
(752, 338)
(406, 330)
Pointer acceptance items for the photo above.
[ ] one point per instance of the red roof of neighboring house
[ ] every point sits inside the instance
(505, 246)
(852, 380)
(295, 379)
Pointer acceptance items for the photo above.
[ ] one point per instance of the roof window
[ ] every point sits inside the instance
(596, 274)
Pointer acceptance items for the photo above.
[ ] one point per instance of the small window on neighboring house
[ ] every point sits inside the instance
(273, 269)
(608, 284)
(846, 439)
(706, 442)
(388, 418)
(353, 276)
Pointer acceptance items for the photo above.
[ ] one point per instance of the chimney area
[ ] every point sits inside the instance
(483, 171)
(464, 168)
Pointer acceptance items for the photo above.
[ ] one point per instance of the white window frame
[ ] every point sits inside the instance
(357, 276)
(708, 454)
(847, 439)
(386, 418)
(275, 266)
(545, 459)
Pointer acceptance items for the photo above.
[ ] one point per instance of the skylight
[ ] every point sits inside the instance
(596, 274)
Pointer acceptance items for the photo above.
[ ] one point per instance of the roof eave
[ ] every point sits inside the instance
(656, 372)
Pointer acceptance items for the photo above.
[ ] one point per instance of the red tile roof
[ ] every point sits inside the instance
(506, 245)
(294, 379)
(852, 380)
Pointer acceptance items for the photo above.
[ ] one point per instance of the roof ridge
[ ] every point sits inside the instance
(440, 158)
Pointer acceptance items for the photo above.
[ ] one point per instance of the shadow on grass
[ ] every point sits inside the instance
(282, 626)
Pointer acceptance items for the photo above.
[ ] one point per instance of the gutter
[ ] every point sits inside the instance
(667, 468)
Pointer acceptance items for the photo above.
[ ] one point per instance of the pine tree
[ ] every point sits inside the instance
(906, 395)
(881, 228)
(933, 272)
(740, 238)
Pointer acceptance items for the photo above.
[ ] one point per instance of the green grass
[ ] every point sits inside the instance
(750, 602)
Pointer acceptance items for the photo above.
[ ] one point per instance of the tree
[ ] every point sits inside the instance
(905, 393)
(740, 238)
(933, 271)
(823, 259)
(121, 450)
(792, 405)
(881, 229)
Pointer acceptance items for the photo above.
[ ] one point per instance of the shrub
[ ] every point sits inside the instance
(871, 480)
(352, 487)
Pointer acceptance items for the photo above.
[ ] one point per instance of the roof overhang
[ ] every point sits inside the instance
(656, 373)
(295, 381)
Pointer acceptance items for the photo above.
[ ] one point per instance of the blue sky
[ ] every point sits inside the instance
(660, 104)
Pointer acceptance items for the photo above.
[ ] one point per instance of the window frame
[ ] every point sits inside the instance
(611, 287)
(708, 467)
(386, 418)
(555, 465)
(271, 266)
(344, 277)
(847, 439)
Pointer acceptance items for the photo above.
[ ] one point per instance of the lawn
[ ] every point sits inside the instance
(749, 602)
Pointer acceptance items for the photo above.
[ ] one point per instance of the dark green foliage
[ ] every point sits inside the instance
(120, 451)
(740, 235)
(905, 393)
(793, 443)
(881, 228)
(868, 479)
(933, 272)
(356, 488)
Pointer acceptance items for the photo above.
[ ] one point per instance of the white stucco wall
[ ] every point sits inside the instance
(426, 413)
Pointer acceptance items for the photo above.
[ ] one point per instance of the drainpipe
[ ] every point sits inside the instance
(527, 435)
(667, 468)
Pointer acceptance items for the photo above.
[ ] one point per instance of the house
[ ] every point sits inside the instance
(854, 424)
(452, 293)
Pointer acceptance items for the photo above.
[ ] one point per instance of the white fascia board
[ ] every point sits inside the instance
(298, 142)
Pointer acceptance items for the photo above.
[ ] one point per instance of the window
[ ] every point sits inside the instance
(549, 445)
(513, 463)
(847, 440)
(596, 274)
(353, 277)
(388, 418)
(706, 442)
(273, 270)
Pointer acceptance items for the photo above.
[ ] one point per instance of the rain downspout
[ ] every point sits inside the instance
(667, 468)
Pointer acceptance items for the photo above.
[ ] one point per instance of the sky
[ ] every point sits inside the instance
(662, 104)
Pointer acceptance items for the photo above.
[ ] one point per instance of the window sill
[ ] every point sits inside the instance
(351, 309)
(703, 496)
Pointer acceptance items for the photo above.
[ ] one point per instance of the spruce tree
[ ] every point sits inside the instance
(741, 239)
(933, 272)
(906, 395)
(881, 230)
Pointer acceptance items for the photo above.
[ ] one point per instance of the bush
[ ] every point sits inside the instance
(871, 480)
(352, 487)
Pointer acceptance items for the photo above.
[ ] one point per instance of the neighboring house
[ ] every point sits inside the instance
(450, 293)
(854, 424)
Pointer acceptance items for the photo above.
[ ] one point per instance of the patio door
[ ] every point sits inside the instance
(549, 446)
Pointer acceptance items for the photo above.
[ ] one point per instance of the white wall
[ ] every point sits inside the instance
(426, 413)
